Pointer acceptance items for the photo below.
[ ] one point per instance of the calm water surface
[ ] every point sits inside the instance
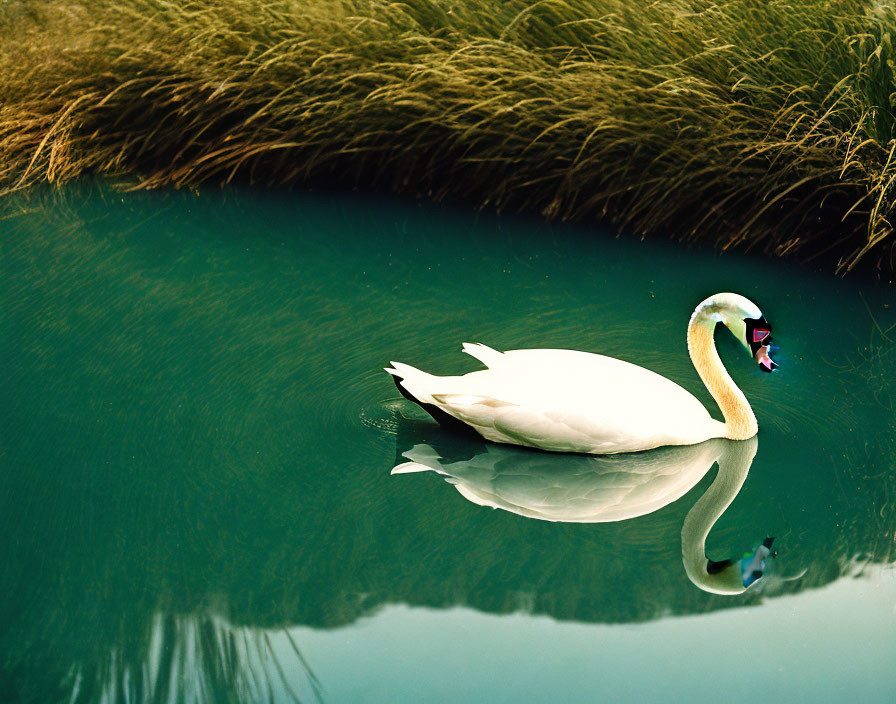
(196, 440)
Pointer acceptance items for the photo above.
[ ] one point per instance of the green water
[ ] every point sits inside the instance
(196, 439)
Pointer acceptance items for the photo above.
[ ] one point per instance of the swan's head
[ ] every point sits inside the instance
(746, 322)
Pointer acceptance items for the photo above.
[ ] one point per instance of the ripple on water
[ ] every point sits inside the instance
(389, 415)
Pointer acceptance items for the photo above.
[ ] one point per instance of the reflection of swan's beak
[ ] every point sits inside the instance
(766, 363)
(747, 570)
(752, 565)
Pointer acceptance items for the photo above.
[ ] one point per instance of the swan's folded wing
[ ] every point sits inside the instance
(547, 430)
(478, 410)
(572, 432)
(505, 421)
(577, 402)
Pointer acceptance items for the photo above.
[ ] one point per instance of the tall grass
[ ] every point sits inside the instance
(739, 122)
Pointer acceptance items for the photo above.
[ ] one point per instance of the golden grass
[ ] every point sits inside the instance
(740, 122)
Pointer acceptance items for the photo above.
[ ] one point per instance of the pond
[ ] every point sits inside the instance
(198, 440)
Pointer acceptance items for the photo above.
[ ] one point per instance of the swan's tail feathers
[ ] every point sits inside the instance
(418, 386)
(483, 353)
(411, 380)
(402, 371)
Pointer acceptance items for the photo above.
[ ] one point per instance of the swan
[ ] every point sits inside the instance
(571, 401)
(601, 489)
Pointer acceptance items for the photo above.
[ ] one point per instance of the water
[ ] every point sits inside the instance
(197, 438)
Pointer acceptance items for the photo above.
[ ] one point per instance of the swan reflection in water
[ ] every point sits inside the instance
(603, 488)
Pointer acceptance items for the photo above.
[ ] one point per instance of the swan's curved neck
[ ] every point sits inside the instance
(734, 465)
(740, 423)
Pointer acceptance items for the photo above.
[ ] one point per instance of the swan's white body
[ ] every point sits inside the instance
(566, 400)
(570, 401)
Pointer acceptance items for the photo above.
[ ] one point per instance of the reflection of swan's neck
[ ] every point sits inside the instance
(740, 423)
(734, 464)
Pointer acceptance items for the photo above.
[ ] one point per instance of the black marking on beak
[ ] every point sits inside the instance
(759, 333)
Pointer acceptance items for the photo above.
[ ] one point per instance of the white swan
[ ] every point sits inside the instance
(570, 401)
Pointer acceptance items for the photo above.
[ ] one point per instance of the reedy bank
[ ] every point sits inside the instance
(743, 123)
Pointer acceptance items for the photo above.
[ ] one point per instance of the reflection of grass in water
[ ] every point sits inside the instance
(195, 659)
(873, 361)
(872, 532)
(879, 362)
(741, 121)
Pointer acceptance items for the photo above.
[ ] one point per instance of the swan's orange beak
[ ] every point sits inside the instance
(766, 363)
